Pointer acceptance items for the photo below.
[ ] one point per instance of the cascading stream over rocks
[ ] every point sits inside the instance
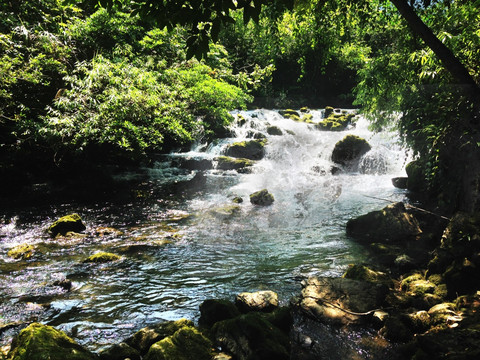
(188, 230)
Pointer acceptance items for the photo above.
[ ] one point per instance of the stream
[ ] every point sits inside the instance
(181, 244)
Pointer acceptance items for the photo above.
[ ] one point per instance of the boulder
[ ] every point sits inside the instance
(186, 343)
(252, 149)
(274, 130)
(102, 257)
(68, 223)
(195, 164)
(400, 182)
(416, 177)
(251, 336)
(39, 342)
(392, 223)
(214, 310)
(22, 251)
(237, 200)
(229, 163)
(120, 351)
(144, 338)
(328, 111)
(349, 149)
(262, 198)
(224, 212)
(290, 114)
(340, 300)
(265, 301)
(364, 273)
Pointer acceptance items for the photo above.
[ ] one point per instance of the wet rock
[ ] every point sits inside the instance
(215, 310)
(290, 114)
(419, 321)
(400, 182)
(392, 223)
(304, 109)
(251, 336)
(339, 300)
(185, 344)
(237, 200)
(262, 198)
(65, 284)
(416, 178)
(38, 342)
(68, 223)
(336, 122)
(396, 329)
(265, 301)
(22, 251)
(274, 130)
(349, 149)
(328, 111)
(107, 231)
(252, 149)
(102, 257)
(444, 313)
(195, 164)
(120, 351)
(229, 163)
(143, 339)
(224, 212)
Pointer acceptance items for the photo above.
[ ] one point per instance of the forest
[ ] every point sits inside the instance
(95, 93)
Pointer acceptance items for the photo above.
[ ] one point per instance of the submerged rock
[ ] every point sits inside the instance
(40, 342)
(349, 149)
(392, 223)
(102, 257)
(68, 223)
(22, 251)
(229, 163)
(185, 344)
(262, 198)
(120, 351)
(265, 301)
(252, 149)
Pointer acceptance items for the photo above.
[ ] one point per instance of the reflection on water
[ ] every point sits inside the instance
(181, 247)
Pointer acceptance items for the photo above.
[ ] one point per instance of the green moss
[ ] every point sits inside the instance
(41, 342)
(225, 212)
(410, 279)
(290, 114)
(307, 118)
(102, 257)
(350, 148)
(304, 109)
(361, 272)
(252, 150)
(65, 224)
(328, 111)
(23, 251)
(262, 197)
(237, 200)
(186, 344)
(416, 177)
(229, 163)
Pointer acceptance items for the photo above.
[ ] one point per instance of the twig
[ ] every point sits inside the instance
(410, 206)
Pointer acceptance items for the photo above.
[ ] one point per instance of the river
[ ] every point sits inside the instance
(180, 246)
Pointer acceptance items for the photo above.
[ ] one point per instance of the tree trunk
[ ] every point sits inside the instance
(446, 56)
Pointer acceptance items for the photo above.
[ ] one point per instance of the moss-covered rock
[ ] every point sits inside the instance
(22, 251)
(265, 301)
(415, 176)
(68, 223)
(304, 109)
(332, 124)
(290, 114)
(215, 310)
(308, 118)
(144, 338)
(400, 182)
(262, 198)
(237, 200)
(364, 273)
(224, 212)
(107, 231)
(40, 342)
(120, 351)
(274, 130)
(251, 336)
(392, 223)
(185, 344)
(252, 149)
(349, 149)
(229, 163)
(102, 257)
(328, 111)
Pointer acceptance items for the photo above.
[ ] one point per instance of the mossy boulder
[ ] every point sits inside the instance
(237, 200)
(415, 176)
(251, 336)
(68, 223)
(349, 149)
(400, 182)
(215, 310)
(332, 124)
(22, 251)
(290, 114)
(225, 212)
(144, 338)
(274, 130)
(328, 111)
(364, 273)
(102, 257)
(185, 344)
(194, 164)
(120, 351)
(262, 198)
(265, 301)
(392, 223)
(40, 342)
(229, 163)
(252, 149)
